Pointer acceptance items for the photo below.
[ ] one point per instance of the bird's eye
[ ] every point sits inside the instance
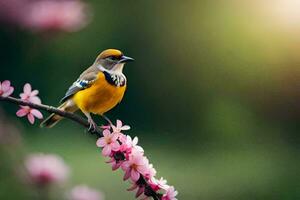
(112, 58)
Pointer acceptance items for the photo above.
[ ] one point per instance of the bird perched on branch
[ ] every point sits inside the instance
(97, 90)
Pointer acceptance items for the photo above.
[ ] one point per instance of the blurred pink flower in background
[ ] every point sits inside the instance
(49, 15)
(6, 89)
(11, 11)
(45, 15)
(45, 169)
(83, 192)
(29, 95)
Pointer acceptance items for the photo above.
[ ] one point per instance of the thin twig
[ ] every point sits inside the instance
(78, 119)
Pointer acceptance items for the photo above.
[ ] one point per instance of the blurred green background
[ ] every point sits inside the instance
(213, 95)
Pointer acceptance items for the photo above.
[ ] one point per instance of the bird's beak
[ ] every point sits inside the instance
(125, 59)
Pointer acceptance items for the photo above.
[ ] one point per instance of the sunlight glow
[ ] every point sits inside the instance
(285, 12)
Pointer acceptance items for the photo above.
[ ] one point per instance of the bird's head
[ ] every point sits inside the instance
(112, 60)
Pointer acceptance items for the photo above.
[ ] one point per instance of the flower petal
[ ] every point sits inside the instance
(119, 123)
(22, 112)
(5, 85)
(30, 118)
(135, 141)
(106, 132)
(106, 150)
(139, 192)
(134, 175)
(125, 127)
(101, 142)
(27, 88)
(115, 166)
(115, 146)
(127, 174)
(36, 113)
(35, 99)
(34, 93)
(9, 92)
(133, 187)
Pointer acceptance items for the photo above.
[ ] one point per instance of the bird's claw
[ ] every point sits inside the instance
(92, 127)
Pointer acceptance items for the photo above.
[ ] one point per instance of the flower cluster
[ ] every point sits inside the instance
(29, 96)
(124, 153)
(45, 15)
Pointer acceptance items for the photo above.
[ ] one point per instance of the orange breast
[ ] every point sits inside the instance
(100, 97)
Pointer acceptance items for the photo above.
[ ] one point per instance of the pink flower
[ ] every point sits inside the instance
(108, 142)
(83, 192)
(5, 89)
(50, 15)
(134, 166)
(46, 169)
(114, 164)
(30, 113)
(151, 172)
(158, 184)
(170, 194)
(29, 95)
(128, 144)
(119, 127)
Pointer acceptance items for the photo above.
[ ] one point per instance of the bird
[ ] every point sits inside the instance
(97, 90)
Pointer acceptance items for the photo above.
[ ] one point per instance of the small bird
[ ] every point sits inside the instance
(97, 90)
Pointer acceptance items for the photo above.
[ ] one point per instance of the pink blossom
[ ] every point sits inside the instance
(108, 142)
(5, 89)
(157, 184)
(170, 194)
(114, 164)
(128, 144)
(83, 192)
(29, 95)
(119, 127)
(151, 172)
(135, 166)
(62, 15)
(30, 113)
(130, 157)
(46, 169)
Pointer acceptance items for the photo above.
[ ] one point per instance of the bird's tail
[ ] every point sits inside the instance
(53, 119)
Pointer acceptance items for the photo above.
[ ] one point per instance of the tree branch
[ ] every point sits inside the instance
(78, 119)
(51, 109)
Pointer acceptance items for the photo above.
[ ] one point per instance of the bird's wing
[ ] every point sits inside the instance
(85, 80)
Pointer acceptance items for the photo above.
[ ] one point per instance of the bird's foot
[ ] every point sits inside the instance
(107, 119)
(93, 125)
